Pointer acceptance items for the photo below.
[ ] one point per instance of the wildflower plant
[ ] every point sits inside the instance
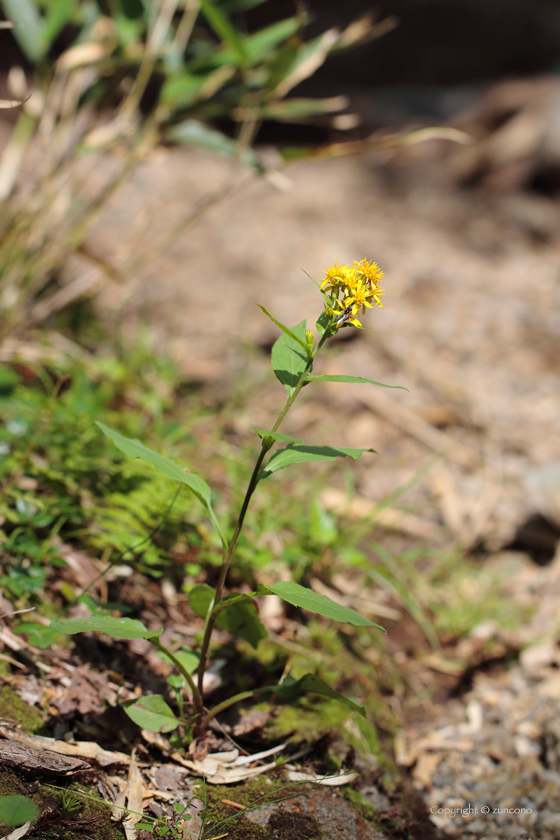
(347, 292)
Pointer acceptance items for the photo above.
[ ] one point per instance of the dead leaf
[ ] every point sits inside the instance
(130, 800)
(227, 768)
(17, 833)
(330, 781)
(82, 54)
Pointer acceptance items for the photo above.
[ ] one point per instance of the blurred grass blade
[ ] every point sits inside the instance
(310, 57)
(195, 133)
(260, 44)
(298, 108)
(58, 15)
(29, 27)
(224, 29)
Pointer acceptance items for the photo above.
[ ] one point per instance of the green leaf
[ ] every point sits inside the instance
(29, 27)
(291, 689)
(37, 634)
(259, 45)
(277, 435)
(200, 598)
(15, 810)
(301, 596)
(356, 379)
(166, 467)
(117, 628)
(287, 360)
(288, 331)
(322, 324)
(224, 29)
(296, 454)
(242, 619)
(238, 613)
(152, 713)
(187, 658)
(195, 133)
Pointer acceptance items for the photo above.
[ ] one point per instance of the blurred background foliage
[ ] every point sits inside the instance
(118, 77)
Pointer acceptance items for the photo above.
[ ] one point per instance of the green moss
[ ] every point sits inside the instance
(17, 711)
(306, 720)
(63, 814)
(362, 805)
(252, 793)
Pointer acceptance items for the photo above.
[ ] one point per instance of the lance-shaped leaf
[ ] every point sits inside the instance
(194, 133)
(224, 29)
(300, 454)
(29, 27)
(299, 109)
(288, 359)
(355, 379)
(301, 596)
(117, 628)
(16, 809)
(152, 713)
(291, 689)
(292, 333)
(166, 467)
(238, 613)
(278, 436)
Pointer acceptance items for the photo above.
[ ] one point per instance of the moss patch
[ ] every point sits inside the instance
(63, 814)
(252, 793)
(17, 711)
(362, 805)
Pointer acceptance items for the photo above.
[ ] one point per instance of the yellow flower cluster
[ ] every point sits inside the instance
(352, 289)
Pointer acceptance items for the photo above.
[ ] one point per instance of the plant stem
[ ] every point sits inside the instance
(254, 480)
(224, 705)
(196, 694)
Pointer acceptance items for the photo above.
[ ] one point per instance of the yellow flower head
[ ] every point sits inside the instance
(351, 290)
(336, 276)
(369, 273)
(359, 297)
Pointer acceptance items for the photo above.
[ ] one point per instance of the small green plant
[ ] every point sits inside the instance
(347, 292)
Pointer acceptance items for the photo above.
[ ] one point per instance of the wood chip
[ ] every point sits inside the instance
(15, 756)
(86, 749)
